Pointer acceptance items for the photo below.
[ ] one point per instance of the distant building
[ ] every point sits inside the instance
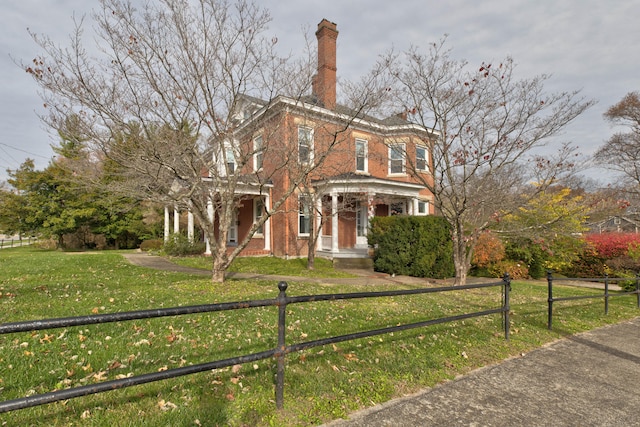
(617, 224)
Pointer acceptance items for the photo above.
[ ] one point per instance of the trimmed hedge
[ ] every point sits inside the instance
(418, 246)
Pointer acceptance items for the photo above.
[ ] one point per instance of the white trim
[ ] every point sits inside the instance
(425, 160)
(400, 148)
(258, 152)
(365, 144)
(257, 201)
(309, 159)
(303, 201)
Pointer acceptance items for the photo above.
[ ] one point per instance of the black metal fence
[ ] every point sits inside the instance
(606, 281)
(281, 350)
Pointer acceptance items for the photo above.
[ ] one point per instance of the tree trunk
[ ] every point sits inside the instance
(460, 256)
(311, 257)
(220, 264)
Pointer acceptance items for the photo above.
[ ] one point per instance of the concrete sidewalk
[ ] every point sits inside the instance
(590, 379)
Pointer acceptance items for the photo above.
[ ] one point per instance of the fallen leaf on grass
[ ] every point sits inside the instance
(100, 376)
(165, 406)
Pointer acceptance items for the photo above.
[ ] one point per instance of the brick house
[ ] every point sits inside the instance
(367, 170)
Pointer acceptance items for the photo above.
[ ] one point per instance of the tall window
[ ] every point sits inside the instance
(396, 158)
(305, 144)
(226, 159)
(421, 158)
(258, 210)
(230, 159)
(304, 215)
(257, 153)
(361, 155)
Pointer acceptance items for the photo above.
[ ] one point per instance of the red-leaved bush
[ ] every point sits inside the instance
(613, 245)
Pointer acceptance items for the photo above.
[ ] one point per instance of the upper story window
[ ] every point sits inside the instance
(362, 162)
(421, 158)
(225, 158)
(305, 144)
(396, 158)
(258, 153)
(230, 159)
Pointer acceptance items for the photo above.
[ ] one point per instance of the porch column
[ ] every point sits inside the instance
(371, 209)
(207, 250)
(190, 226)
(414, 206)
(334, 222)
(166, 223)
(267, 224)
(176, 220)
(319, 223)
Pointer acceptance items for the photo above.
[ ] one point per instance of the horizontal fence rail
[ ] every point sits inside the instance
(606, 281)
(279, 353)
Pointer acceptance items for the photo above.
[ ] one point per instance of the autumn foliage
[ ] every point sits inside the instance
(613, 245)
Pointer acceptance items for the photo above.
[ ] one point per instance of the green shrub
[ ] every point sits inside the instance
(151, 245)
(412, 246)
(179, 245)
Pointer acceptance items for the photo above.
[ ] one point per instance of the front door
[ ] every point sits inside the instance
(362, 223)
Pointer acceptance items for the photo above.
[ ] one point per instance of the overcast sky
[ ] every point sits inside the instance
(589, 45)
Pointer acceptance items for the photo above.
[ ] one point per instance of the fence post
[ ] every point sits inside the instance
(606, 293)
(549, 299)
(638, 290)
(280, 350)
(506, 308)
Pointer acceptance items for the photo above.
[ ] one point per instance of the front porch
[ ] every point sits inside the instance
(349, 202)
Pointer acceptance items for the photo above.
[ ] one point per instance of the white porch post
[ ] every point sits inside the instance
(319, 223)
(334, 222)
(207, 250)
(176, 220)
(267, 224)
(414, 206)
(190, 225)
(166, 223)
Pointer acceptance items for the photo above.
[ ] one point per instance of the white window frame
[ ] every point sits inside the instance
(258, 153)
(305, 210)
(309, 157)
(365, 155)
(258, 209)
(393, 151)
(425, 205)
(424, 160)
(230, 159)
(226, 157)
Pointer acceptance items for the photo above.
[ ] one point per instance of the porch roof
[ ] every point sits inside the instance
(357, 183)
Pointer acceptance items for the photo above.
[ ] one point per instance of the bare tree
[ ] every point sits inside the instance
(621, 152)
(173, 97)
(487, 124)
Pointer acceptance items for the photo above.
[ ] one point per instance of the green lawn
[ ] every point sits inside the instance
(321, 384)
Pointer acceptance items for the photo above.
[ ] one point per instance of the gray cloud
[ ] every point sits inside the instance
(584, 44)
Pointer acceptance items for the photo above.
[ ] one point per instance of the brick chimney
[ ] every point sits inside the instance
(324, 83)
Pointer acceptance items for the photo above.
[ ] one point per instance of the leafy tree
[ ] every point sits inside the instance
(488, 124)
(13, 212)
(621, 152)
(546, 231)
